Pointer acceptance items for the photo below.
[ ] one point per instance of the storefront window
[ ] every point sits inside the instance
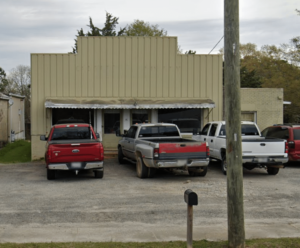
(140, 116)
(111, 122)
(188, 120)
(82, 115)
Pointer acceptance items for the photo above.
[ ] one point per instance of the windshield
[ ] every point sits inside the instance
(158, 131)
(70, 133)
(247, 129)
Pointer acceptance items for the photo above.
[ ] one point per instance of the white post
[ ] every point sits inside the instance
(126, 119)
(154, 116)
(99, 122)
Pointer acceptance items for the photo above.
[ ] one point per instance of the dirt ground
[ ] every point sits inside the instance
(122, 207)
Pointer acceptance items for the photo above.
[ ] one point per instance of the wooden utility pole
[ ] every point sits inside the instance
(235, 203)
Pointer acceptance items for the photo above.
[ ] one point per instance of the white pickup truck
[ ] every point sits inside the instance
(257, 151)
(156, 146)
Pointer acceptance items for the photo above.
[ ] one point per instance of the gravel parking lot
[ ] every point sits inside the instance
(122, 207)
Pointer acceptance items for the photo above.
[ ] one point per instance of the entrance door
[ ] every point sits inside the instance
(111, 120)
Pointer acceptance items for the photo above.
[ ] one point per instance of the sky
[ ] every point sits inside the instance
(50, 26)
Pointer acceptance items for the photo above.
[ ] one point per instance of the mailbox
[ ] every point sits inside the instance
(190, 197)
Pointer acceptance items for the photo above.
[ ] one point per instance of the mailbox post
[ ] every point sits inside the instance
(191, 200)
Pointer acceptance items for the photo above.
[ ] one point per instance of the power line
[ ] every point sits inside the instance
(216, 44)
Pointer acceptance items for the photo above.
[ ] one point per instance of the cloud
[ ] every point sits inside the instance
(50, 26)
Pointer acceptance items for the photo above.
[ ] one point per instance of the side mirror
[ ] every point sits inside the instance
(97, 135)
(43, 138)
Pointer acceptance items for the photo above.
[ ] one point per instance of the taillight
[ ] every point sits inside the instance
(291, 144)
(207, 151)
(155, 153)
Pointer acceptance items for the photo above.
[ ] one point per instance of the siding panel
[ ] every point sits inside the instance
(153, 62)
(90, 67)
(103, 56)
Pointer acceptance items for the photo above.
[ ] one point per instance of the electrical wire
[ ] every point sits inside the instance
(216, 44)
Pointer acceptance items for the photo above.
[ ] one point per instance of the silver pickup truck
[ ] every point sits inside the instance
(155, 146)
(257, 151)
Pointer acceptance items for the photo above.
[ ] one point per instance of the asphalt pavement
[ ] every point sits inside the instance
(121, 207)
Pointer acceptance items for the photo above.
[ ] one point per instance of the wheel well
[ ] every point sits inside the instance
(138, 154)
(223, 152)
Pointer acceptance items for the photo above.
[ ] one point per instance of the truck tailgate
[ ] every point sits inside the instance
(77, 152)
(266, 147)
(183, 150)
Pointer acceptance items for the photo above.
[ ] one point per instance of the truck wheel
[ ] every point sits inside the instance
(203, 172)
(141, 168)
(272, 170)
(50, 174)
(120, 156)
(98, 173)
(193, 172)
(151, 172)
(224, 165)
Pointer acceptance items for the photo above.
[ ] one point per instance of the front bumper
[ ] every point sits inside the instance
(98, 165)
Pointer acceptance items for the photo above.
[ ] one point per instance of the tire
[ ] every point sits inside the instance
(141, 168)
(272, 170)
(98, 173)
(151, 172)
(224, 165)
(120, 156)
(203, 172)
(50, 174)
(193, 172)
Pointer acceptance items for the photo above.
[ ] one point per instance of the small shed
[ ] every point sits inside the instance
(12, 118)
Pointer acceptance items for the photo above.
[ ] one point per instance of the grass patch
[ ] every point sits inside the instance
(16, 152)
(255, 243)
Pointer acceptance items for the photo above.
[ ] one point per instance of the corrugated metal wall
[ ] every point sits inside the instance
(120, 67)
(3, 122)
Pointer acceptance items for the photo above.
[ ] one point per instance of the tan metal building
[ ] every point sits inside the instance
(115, 81)
(12, 118)
(4, 104)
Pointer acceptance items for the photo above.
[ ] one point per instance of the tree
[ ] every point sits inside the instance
(190, 52)
(249, 79)
(3, 81)
(19, 80)
(110, 26)
(276, 71)
(109, 29)
(142, 28)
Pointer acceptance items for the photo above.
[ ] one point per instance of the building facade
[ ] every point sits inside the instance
(113, 82)
(262, 105)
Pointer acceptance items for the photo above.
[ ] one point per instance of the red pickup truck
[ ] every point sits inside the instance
(74, 147)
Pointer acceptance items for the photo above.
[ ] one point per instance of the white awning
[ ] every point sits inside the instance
(137, 103)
